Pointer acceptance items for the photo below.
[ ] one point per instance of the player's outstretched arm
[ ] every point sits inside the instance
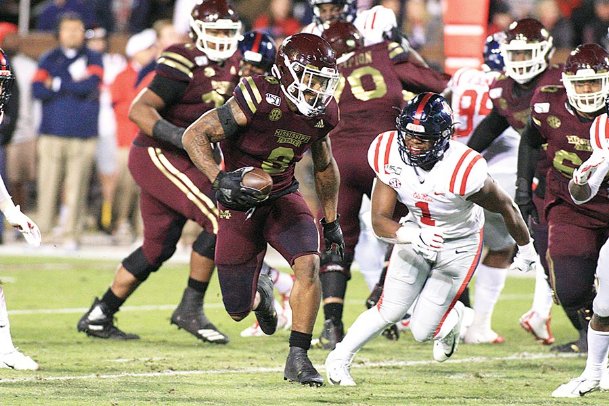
(327, 177)
(213, 126)
(491, 127)
(493, 198)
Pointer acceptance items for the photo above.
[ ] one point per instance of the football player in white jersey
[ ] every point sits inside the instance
(10, 357)
(445, 186)
(470, 102)
(584, 185)
(376, 24)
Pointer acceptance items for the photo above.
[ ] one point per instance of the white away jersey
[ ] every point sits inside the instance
(372, 24)
(436, 197)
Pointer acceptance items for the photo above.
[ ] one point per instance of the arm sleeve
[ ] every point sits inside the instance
(528, 151)
(491, 127)
(171, 91)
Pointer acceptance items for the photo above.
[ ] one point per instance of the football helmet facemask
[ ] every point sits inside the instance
(207, 20)
(306, 68)
(527, 49)
(427, 118)
(348, 10)
(586, 77)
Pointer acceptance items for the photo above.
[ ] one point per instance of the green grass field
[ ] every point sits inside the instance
(46, 297)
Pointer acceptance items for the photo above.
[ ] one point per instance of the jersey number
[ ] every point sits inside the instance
(425, 214)
(561, 158)
(357, 88)
(467, 111)
(278, 160)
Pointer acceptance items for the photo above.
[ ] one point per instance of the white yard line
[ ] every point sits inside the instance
(472, 360)
(209, 305)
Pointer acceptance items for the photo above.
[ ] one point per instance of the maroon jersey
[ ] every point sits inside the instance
(275, 137)
(512, 101)
(209, 85)
(567, 135)
(371, 83)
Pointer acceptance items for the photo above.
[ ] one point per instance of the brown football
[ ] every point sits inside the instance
(258, 179)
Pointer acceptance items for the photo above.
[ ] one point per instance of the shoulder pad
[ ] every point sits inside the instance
(395, 50)
(271, 79)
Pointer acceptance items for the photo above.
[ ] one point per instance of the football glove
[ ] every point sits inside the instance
(429, 242)
(24, 224)
(523, 198)
(582, 174)
(231, 192)
(333, 237)
(526, 259)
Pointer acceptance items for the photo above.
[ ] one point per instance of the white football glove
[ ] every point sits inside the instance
(24, 224)
(526, 259)
(429, 242)
(587, 169)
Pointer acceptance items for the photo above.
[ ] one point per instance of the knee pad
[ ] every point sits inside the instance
(205, 245)
(137, 265)
(332, 263)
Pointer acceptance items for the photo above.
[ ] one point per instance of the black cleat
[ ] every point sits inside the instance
(374, 296)
(190, 317)
(576, 347)
(391, 333)
(298, 368)
(331, 335)
(265, 312)
(97, 323)
(199, 326)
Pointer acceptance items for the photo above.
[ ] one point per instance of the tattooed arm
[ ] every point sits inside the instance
(327, 177)
(213, 126)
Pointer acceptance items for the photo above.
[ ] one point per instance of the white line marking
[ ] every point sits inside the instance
(472, 360)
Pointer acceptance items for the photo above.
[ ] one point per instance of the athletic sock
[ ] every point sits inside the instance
(489, 284)
(112, 302)
(598, 350)
(542, 298)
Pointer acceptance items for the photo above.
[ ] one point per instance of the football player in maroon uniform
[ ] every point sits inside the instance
(526, 53)
(372, 79)
(190, 78)
(562, 117)
(269, 123)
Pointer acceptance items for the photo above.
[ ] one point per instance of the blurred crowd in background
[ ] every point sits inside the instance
(108, 197)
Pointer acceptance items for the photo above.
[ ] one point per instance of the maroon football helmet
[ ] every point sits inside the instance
(527, 49)
(586, 77)
(207, 20)
(6, 81)
(343, 36)
(306, 68)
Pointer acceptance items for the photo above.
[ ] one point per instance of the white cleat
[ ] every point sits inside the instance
(17, 360)
(538, 326)
(476, 335)
(444, 348)
(576, 388)
(338, 370)
(253, 331)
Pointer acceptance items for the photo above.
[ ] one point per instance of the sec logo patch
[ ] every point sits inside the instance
(395, 183)
(275, 114)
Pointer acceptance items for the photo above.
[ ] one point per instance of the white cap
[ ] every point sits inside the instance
(140, 42)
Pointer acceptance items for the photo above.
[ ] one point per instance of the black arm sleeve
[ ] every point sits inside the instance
(528, 152)
(491, 127)
(171, 91)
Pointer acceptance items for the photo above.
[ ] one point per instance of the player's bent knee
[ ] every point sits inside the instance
(137, 265)
(205, 245)
(420, 332)
(306, 267)
(238, 316)
(391, 314)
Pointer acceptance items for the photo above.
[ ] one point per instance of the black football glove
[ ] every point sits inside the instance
(333, 238)
(524, 199)
(231, 192)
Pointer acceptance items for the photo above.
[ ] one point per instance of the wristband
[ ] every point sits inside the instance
(165, 131)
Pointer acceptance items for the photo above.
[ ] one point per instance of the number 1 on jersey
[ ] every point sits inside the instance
(425, 214)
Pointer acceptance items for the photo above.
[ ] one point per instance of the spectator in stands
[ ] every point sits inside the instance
(499, 17)
(52, 11)
(121, 15)
(21, 151)
(141, 50)
(106, 165)
(561, 29)
(278, 21)
(166, 35)
(67, 81)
